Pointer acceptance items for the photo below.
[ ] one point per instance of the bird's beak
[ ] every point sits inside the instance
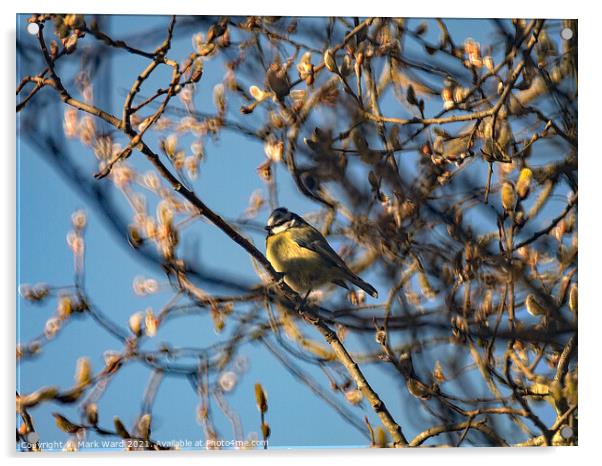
(267, 228)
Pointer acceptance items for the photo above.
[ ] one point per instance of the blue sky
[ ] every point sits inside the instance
(45, 204)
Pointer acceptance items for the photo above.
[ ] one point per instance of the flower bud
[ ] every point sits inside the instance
(260, 398)
(524, 182)
(508, 196)
(143, 426)
(573, 298)
(150, 323)
(135, 323)
(65, 424)
(91, 411)
(330, 62)
(533, 307)
(83, 371)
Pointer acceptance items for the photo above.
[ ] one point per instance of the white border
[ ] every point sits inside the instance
(590, 82)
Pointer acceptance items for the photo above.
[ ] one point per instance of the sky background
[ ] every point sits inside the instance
(45, 203)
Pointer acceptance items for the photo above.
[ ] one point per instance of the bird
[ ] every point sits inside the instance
(301, 254)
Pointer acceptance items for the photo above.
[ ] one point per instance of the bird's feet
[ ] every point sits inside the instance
(301, 304)
(279, 278)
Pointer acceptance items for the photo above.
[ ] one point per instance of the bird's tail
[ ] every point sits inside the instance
(357, 281)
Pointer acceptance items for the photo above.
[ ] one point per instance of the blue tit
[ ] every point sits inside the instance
(301, 253)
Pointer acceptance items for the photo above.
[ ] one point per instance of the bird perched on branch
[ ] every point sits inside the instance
(303, 256)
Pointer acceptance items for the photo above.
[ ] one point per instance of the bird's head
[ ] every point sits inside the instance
(281, 219)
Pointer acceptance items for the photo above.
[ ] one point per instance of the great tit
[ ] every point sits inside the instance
(301, 253)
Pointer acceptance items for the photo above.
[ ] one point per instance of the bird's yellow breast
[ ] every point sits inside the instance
(303, 269)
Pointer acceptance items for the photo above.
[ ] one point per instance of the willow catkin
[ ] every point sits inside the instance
(33, 399)
(83, 371)
(91, 411)
(508, 196)
(150, 323)
(573, 298)
(64, 307)
(144, 426)
(135, 323)
(330, 62)
(524, 182)
(533, 307)
(120, 428)
(65, 424)
(381, 440)
(260, 398)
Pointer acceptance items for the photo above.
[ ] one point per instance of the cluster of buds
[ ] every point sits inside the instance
(69, 28)
(227, 381)
(305, 68)
(472, 49)
(151, 323)
(167, 236)
(122, 175)
(145, 286)
(194, 68)
(67, 23)
(104, 147)
(75, 240)
(151, 181)
(34, 293)
(218, 35)
(176, 155)
(84, 128)
(453, 94)
(219, 31)
(259, 95)
(447, 95)
(66, 306)
(346, 65)
(274, 149)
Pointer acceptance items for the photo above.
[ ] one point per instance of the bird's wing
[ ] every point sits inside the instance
(314, 241)
(321, 247)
